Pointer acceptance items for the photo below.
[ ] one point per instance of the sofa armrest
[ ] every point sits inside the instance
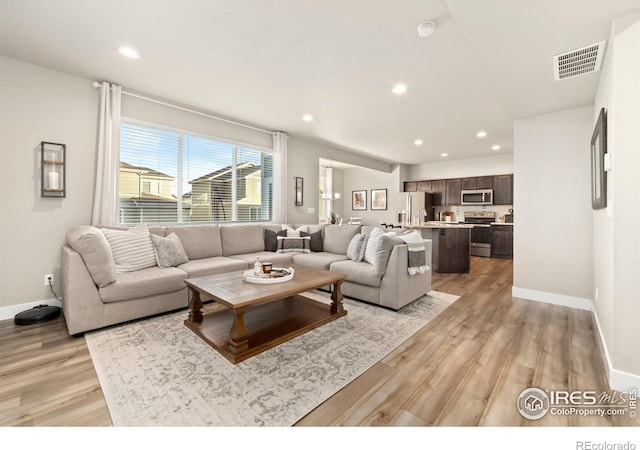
(83, 309)
(397, 287)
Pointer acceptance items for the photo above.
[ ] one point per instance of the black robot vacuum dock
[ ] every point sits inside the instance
(37, 314)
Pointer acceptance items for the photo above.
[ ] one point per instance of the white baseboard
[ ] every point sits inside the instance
(8, 312)
(618, 380)
(550, 297)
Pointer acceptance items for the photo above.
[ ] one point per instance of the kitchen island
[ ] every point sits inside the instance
(450, 245)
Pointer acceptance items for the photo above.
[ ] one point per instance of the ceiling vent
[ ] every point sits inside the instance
(578, 62)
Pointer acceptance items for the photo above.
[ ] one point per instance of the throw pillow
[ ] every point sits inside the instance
(271, 239)
(379, 247)
(132, 249)
(357, 246)
(315, 242)
(169, 250)
(293, 244)
(295, 232)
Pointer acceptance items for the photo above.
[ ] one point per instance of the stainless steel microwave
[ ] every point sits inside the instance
(476, 197)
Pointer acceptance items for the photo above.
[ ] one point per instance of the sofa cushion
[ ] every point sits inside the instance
(169, 250)
(312, 227)
(315, 242)
(143, 283)
(357, 246)
(271, 239)
(93, 247)
(337, 238)
(299, 244)
(132, 249)
(379, 247)
(277, 259)
(241, 239)
(212, 266)
(358, 272)
(198, 241)
(319, 260)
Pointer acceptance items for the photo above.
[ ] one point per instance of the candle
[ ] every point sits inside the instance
(54, 179)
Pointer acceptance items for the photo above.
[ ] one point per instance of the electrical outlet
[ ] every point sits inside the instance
(48, 278)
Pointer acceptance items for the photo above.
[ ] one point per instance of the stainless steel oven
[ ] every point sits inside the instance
(481, 231)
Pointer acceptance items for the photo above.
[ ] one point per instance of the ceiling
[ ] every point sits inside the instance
(269, 62)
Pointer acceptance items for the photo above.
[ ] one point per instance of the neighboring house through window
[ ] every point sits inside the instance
(169, 176)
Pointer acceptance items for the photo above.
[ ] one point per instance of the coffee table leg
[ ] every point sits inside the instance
(195, 306)
(336, 298)
(239, 342)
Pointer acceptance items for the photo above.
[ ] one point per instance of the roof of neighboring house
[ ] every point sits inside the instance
(144, 170)
(221, 175)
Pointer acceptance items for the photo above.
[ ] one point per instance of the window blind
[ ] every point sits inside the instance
(177, 177)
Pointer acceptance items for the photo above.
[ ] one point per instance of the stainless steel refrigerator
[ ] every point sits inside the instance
(412, 207)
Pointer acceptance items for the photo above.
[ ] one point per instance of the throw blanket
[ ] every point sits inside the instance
(417, 256)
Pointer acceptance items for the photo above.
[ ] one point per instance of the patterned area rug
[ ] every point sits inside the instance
(157, 372)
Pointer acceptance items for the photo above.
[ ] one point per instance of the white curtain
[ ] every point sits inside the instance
(280, 177)
(105, 200)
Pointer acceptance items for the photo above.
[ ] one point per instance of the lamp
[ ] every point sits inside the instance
(53, 169)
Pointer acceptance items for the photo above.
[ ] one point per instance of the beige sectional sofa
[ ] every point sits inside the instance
(95, 295)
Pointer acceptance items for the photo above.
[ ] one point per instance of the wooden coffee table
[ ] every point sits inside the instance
(258, 317)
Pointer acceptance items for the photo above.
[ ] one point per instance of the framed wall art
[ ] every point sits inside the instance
(378, 199)
(598, 170)
(358, 200)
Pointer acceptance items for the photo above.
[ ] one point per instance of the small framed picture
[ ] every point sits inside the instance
(358, 200)
(378, 199)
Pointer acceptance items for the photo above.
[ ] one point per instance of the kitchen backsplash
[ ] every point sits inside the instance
(458, 211)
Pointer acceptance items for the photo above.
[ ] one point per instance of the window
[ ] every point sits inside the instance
(169, 176)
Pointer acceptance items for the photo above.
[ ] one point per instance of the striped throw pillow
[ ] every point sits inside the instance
(132, 249)
(294, 244)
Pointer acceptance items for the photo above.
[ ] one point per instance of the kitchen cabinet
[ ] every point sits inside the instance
(454, 187)
(502, 241)
(410, 186)
(424, 186)
(503, 189)
(439, 191)
(449, 249)
(477, 183)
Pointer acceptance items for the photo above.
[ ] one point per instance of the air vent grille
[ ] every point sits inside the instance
(578, 62)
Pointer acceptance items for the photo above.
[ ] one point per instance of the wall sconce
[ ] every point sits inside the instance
(53, 169)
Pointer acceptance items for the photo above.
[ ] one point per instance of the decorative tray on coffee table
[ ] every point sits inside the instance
(277, 275)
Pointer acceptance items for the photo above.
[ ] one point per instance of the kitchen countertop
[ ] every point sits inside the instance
(440, 225)
(502, 223)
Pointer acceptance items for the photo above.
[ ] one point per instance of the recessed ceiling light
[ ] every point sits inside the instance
(399, 89)
(418, 142)
(495, 147)
(444, 155)
(129, 52)
(481, 134)
(307, 117)
(426, 28)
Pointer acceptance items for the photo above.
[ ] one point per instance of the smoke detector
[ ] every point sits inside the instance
(580, 61)
(426, 28)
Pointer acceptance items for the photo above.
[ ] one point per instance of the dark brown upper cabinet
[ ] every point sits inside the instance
(454, 186)
(503, 189)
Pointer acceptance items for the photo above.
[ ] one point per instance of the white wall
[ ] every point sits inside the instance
(367, 179)
(39, 104)
(552, 236)
(460, 168)
(616, 240)
(303, 161)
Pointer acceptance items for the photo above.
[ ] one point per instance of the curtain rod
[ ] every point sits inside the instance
(96, 84)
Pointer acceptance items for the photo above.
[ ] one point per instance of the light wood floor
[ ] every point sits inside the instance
(467, 367)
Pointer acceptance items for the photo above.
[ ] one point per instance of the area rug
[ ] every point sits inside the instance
(157, 372)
